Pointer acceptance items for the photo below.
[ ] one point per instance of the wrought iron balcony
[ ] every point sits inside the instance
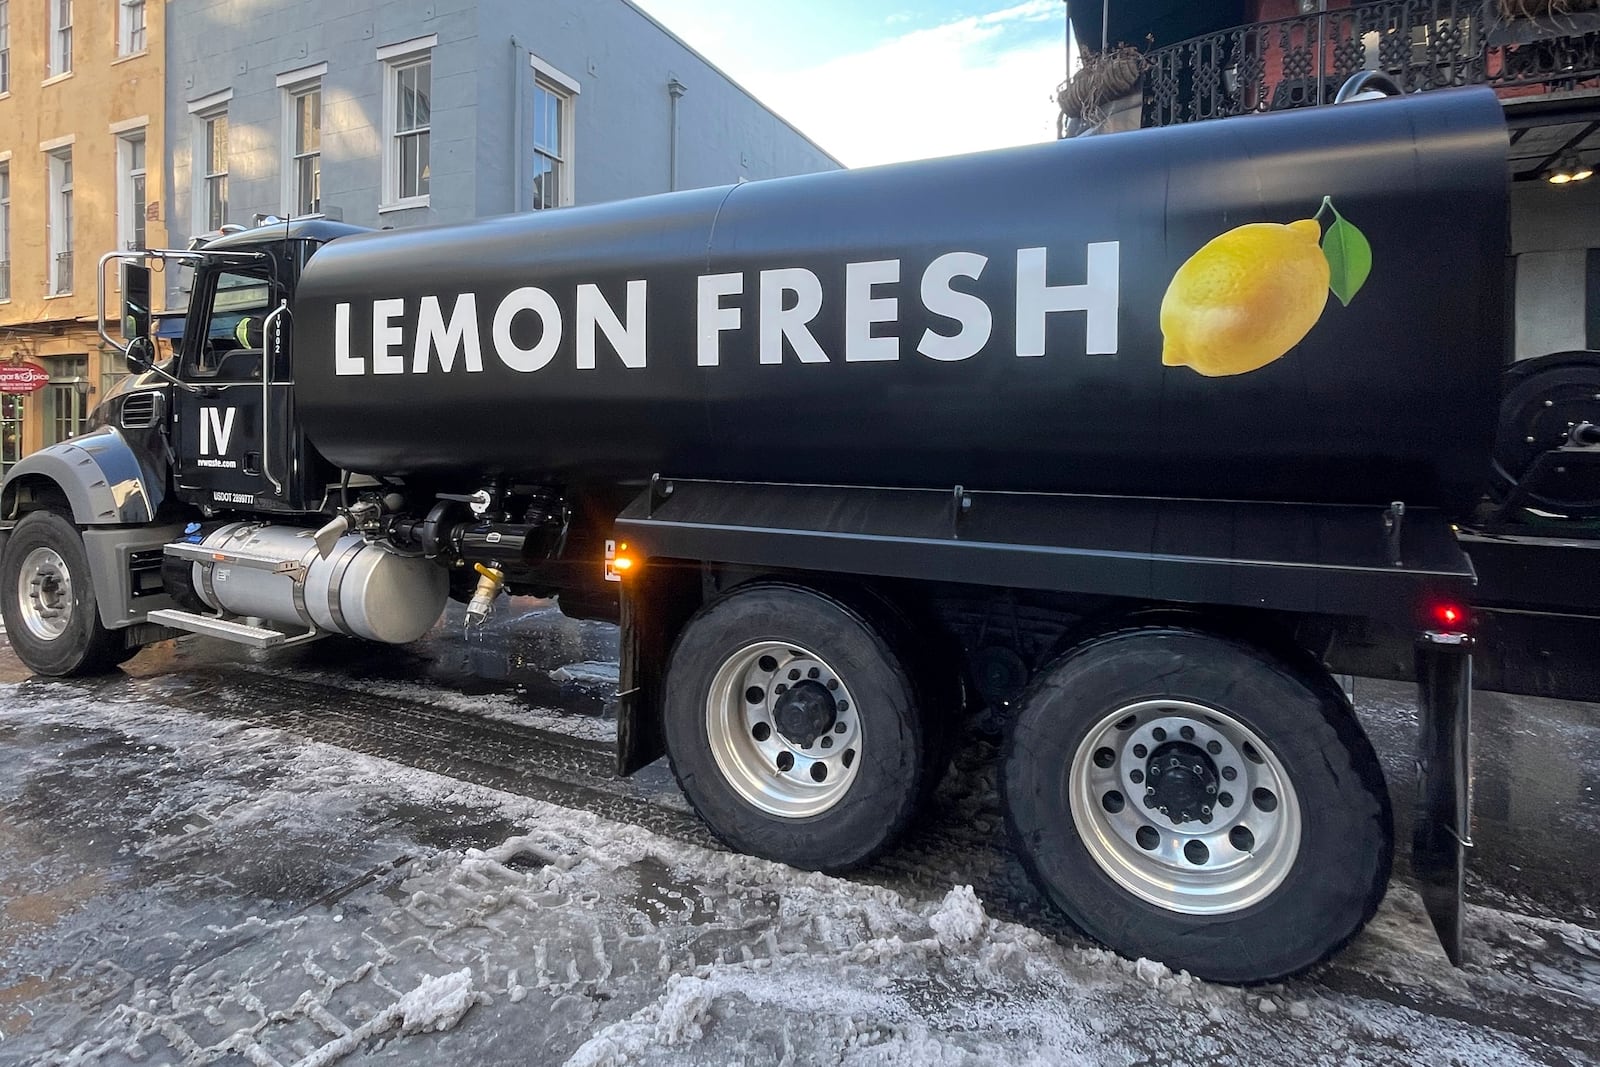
(1423, 44)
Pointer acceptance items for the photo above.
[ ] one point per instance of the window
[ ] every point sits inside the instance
(234, 336)
(408, 119)
(60, 37)
(305, 141)
(11, 408)
(131, 190)
(130, 28)
(412, 130)
(5, 46)
(60, 215)
(554, 98)
(214, 183)
(66, 398)
(5, 231)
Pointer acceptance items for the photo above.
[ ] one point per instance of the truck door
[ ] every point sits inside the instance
(231, 436)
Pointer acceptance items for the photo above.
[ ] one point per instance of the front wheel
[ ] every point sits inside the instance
(47, 600)
(793, 727)
(1201, 802)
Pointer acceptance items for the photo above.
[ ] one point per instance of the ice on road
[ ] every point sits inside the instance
(188, 888)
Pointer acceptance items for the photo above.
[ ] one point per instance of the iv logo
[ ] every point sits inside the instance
(216, 430)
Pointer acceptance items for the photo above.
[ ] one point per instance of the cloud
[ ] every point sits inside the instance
(984, 81)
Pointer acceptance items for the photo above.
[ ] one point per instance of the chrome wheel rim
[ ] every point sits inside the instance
(784, 729)
(44, 594)
(1231, 827)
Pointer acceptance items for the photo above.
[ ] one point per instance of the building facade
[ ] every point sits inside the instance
(426, 111)
(1234, 57)
(82, 124)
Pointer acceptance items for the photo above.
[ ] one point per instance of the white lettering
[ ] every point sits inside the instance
(977, 321)
(713, 317)
(460, 336)
(595, 317)
(1036, 298)
(541, 303)
(385, 337)
(216, 430)
(779, 322)
(343, 362)
(862, 309)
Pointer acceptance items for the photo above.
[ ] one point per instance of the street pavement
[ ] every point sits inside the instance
(350, 854)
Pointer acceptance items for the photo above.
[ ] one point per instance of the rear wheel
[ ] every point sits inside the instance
(48, 602)
(793, 727)
(1198, 801)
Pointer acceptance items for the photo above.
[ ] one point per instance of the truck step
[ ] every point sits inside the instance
(235, 557)
(228, 629)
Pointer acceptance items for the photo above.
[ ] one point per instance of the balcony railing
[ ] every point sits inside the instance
(63, 272)
(1423, 44)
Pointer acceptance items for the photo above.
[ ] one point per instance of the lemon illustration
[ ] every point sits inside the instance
(1246, 298)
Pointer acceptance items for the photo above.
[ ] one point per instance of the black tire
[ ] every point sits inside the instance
(1337, 875)
(889, 779)
(84, 645)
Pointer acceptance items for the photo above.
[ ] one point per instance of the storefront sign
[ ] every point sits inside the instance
(22, 377)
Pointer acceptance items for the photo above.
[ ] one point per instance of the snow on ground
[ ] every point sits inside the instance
(254, 897)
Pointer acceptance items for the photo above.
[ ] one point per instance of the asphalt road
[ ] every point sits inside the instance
(191, 850)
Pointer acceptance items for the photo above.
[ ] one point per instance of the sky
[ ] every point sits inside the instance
(879, 81)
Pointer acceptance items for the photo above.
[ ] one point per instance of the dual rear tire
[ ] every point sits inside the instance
(1179, 795)
(1198, 801)
(795, 727)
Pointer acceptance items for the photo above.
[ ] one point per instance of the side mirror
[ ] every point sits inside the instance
(141, 354)
(135, 301)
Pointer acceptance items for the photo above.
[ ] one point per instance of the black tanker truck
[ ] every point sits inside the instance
(1138, 438)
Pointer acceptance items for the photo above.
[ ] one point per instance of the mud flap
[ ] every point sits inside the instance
(1444, 781)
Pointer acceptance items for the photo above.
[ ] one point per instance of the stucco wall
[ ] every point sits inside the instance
(482, 86)
(104, 90)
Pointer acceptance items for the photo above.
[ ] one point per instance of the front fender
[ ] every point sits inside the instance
(104, 479)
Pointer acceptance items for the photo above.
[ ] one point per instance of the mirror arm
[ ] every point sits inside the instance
(100, 301)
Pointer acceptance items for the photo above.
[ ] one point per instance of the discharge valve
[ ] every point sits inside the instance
(491, 579)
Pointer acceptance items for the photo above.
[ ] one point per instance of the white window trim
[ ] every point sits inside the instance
(124, 49)
(139, 122)
(406, 49)
(5, 246)
(5, 90)
(58, 142)
(54, 246)
(565, 85)
(294, 85)
(203, 111)
(295, 79)
(397, 57)
(125, 204)
(52, 52)
(213, 102)
(569, 84)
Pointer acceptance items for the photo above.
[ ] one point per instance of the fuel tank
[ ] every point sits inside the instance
(358, 589)
(1301, 306)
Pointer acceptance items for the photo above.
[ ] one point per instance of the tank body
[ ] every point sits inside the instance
(994, 321)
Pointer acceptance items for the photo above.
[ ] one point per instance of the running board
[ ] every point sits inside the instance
(240, 633)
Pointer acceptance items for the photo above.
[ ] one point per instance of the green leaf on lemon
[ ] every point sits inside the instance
(1349, 258)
